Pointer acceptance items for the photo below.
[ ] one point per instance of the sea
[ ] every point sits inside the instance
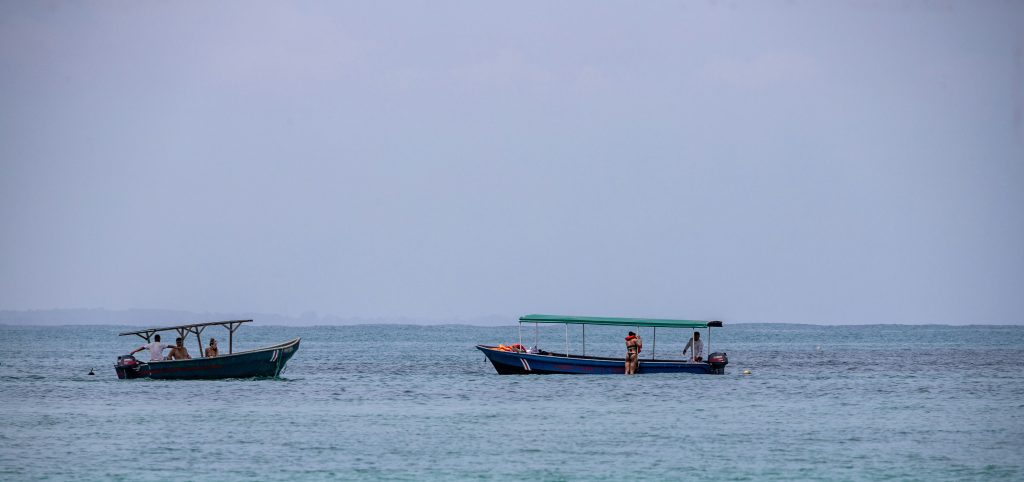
(407, 402)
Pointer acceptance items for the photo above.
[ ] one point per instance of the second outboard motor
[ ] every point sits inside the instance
(127, 367)
(718, 360)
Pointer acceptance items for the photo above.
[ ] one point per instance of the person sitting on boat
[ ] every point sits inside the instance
(633, 346)
(156, 349)
(696, 348)
(211, 351)
(178, 351)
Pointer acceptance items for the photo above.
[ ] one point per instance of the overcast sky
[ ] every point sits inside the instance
(855, 162)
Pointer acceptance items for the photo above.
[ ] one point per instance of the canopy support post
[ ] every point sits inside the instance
(231, 336)
(709, 341)
(567, 340)
(584, 340)
(655, 347)
(199, 339)
(233, 327)
(520, 333)
(536, 335)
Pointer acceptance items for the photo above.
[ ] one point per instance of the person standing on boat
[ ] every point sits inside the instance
(639, 348)
(156, 349)
(211, 351)
(633, 346)
(696, 348)
(178, 351)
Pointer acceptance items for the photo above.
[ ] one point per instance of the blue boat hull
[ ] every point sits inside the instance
(264, 362)
(513, 363)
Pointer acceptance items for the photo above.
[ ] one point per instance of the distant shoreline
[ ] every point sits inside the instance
(154, 317)
(160, 317)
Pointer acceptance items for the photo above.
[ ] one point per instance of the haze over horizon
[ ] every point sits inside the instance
(772, 162)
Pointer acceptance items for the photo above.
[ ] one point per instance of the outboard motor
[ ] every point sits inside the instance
(718, 360)
(127, 367)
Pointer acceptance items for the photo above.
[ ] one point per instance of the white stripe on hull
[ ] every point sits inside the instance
(526, 364)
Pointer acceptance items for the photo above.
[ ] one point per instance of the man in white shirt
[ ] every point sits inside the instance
(156, 349)
(696, 348)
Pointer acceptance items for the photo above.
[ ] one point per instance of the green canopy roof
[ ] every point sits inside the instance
(594, 320)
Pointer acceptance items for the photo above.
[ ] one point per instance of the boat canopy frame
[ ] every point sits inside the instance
(195, 328)
(653, 323)
(598, 320)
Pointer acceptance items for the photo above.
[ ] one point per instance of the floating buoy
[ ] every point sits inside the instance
(91, 372)
(746, 372)
(818, 348)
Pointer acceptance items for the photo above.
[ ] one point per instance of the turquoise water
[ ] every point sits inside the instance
(420, 403)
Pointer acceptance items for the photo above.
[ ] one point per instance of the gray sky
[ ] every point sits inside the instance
(854, 162)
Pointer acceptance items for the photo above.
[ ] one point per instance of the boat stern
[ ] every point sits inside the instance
(718, 361)
(127, 367)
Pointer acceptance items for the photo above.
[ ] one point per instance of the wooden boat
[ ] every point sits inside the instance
(517, 360)
(262, 362)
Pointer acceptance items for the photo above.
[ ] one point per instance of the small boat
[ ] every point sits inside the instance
(261, 362)
(515, 359)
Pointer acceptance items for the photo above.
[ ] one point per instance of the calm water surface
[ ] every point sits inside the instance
(420, 403)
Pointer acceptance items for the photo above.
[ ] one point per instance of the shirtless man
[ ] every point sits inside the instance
(156, 349)
(178, 351)
(633, 346)
(211, 351)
